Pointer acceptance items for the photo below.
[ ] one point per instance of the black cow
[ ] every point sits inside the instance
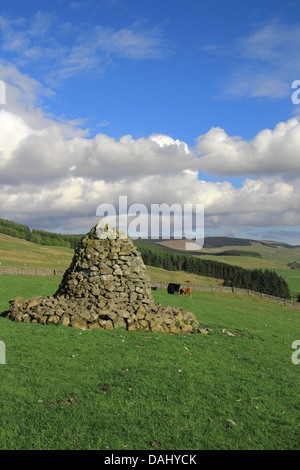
(172, 288)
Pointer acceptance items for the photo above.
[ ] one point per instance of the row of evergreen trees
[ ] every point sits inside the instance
(54, 239)
(14, 230)
(250, 254)
(267, 282)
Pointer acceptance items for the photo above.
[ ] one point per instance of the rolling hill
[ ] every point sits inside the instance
(274, 255)
(17, 250)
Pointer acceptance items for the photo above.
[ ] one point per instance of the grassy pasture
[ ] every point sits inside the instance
(276, 253)
(17, 285)
(162, 275)
(63, 388)
(18, 252)
(274, 258)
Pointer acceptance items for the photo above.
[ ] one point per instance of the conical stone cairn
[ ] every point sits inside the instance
(106, 286)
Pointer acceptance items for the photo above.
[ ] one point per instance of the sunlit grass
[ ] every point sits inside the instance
(70, 389)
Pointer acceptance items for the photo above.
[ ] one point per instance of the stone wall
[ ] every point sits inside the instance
(30, 271)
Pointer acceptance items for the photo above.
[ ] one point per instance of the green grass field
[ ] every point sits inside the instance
(273, 258)
(18, 252)
(63, 388)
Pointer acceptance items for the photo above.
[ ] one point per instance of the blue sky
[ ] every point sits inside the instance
(165, 101)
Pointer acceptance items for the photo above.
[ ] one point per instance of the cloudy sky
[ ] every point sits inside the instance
(173, 101)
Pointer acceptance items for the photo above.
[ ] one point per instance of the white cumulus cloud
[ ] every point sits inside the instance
(270, 152)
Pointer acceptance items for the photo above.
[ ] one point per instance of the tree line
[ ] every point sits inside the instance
(250, 254)
(258, 280)
(40, 237)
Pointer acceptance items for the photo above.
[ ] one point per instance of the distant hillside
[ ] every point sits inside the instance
(220, 242)
(23, 253)
(275, 243)
(216, 242)
(209, 242)
(40, 237)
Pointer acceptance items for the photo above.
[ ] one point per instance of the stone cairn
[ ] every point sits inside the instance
(106, 286)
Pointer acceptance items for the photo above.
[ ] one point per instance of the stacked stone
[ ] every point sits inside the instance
(106, 286)
(106, 269)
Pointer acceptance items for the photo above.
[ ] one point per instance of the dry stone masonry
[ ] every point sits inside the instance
(106, 286)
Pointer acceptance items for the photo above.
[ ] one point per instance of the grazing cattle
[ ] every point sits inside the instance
(172, 288)
(187, 291)
(153, 288)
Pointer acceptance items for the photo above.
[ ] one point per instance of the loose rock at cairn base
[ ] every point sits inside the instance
(106, 286)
